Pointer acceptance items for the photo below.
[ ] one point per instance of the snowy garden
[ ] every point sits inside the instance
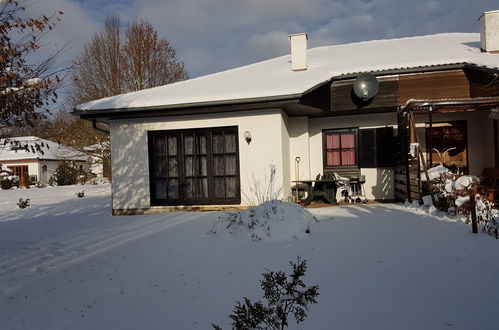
(66, 263)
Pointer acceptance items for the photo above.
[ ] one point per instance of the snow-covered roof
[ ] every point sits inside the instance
(32, 147)
(274, 78)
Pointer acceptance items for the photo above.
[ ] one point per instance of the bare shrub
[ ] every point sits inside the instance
(263, 188)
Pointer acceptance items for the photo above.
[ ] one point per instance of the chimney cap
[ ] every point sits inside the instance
(298, 34)
(488, 12)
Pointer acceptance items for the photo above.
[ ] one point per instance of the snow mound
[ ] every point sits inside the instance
(271, 221)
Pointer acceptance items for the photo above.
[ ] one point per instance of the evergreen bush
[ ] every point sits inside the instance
(9, 182)
(68, 173)
(285, 297)
(23, 203)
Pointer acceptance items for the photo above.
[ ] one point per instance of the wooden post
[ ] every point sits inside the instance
(430, 137)
(496, 143)
(404, 120)
(474, 224)
(420, 153)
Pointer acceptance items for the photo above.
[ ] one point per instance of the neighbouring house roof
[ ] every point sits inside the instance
(273, 79)
(32, 147)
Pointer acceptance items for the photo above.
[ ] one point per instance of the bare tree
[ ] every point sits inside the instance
(27, 86)
(113, 63)
(99, 71)
(147, 60)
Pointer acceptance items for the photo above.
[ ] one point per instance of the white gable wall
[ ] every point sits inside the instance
(130, 162)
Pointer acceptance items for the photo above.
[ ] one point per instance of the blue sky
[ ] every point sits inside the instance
(214, 35)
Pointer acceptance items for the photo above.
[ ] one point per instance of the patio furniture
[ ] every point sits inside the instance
(320, 189)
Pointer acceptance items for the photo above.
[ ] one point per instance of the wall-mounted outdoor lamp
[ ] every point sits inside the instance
(247, 136)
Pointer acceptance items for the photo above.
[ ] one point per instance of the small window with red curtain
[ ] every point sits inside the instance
(340, 147)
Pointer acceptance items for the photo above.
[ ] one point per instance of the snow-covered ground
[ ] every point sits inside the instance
(65, 263)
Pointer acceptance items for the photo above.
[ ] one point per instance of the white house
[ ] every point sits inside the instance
(38, 158)
(207, 142)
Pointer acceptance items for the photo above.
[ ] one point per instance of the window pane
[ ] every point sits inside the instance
(203, 169)
(172, 189)
(348, 157)
(161, 167)
(230, 142)
(333, 158)
(159, 146)
(218, 165)
(172, 145)
(189, 188)
(230, 165)
(218, 143)
(231, 187)
(201, 144)
(160, 185)
(333, 141)
(188, 144)
(347, 140)
(219, 187)
(172, 167)
(203, 188)
(188, 166)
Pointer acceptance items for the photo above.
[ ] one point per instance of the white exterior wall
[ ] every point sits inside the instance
(130, 162)
(44, 177)
(286, 169)
(379, 181)
(299, 147)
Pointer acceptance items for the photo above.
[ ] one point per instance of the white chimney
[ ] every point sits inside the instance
(489, 31)
(298, 51)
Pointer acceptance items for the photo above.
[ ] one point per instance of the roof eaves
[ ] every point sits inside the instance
(276, 98)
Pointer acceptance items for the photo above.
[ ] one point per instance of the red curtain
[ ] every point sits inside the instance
(340, 149)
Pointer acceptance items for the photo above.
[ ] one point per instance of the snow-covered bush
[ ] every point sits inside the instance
(488, 215)
(274, 220)
(7, 182)
(452, 196)
(285, 297)
(452, 192)
(23, 203)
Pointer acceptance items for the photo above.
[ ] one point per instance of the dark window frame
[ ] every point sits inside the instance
(180, 155)
(325, 132)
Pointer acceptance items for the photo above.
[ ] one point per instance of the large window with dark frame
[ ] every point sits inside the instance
(194, 166)
(340, 147)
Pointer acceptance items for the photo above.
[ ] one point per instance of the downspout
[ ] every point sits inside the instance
(98, 129)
